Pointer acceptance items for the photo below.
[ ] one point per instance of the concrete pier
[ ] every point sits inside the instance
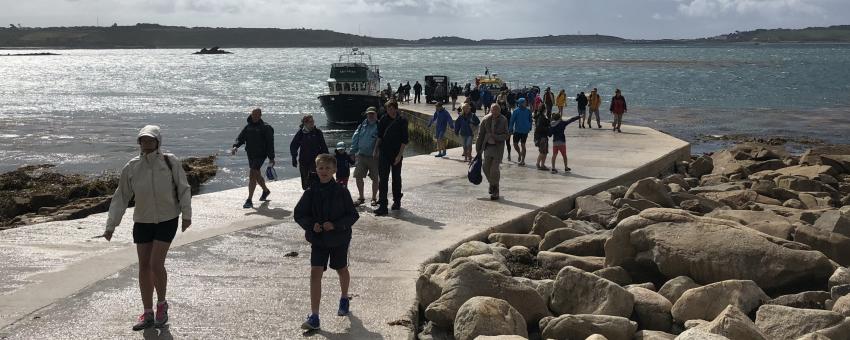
(230, 276)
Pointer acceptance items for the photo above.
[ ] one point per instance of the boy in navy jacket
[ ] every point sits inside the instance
(326, 213)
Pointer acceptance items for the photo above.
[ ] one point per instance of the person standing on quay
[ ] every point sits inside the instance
(561, 101)
(417, 92)
(581, 101)
(520, 125)
(618, 108)
(308, 143)
(453, 93)
(158, 184)
(595, 101)
(486, 98)
(389, 150)
(363, 147)
(559, 140)
(258, 138)
(491, 135)
(444, 120)
(548, 100)
(407, 91)
(541, 137)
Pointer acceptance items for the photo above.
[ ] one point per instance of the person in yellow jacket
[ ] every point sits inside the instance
(561, 101)
(594, 101)
(157, 182)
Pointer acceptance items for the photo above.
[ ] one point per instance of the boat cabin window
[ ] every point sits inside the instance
(331, 86)
(346, 87)
(339, 87)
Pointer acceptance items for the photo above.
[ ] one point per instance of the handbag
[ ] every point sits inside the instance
(271, 174)
(474, 174)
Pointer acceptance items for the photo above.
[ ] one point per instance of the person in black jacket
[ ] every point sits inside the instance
(310, 141)
(389, 150)
(258, 137)
(326, 213)
(417, 92)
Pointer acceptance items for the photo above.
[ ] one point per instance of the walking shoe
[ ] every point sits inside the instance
(439, 154)
(567, 169)
(359, 201)
(554, 171)
(161, 314)
(343, 306)
(396, 205)
(381, 211)
(312, 322)
(598, 126)
(494, 197)
(265, 195)
(374, 202)
(248, 204)
(145, 321)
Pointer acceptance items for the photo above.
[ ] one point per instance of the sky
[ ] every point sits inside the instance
(474, 19)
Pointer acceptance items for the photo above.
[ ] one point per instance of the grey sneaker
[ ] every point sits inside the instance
(145, 321)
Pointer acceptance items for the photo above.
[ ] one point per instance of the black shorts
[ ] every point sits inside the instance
(336, 256)
(148, 232)
(256, 163)
(520, 137)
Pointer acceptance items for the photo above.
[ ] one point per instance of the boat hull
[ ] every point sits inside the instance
(347, 109)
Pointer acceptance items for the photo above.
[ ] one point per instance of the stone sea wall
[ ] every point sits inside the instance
(750, 243)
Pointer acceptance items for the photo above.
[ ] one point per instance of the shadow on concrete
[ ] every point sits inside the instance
(633, 133)
(356, 331)
(504, 201)
(408, 216)
(575, 175)
(276, 213)
(157, 333)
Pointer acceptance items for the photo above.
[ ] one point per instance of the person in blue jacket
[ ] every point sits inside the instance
(520, 126)
(559, 139)
(486, 99)
(362, 147)
(443, 119)
(465, 127)
(308, 143)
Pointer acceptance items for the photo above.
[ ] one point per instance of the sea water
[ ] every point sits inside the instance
(81, 110)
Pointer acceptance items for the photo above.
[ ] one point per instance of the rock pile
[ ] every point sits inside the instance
(36, 194)
(748, 243)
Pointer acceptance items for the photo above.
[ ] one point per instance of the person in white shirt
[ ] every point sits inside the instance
(157, 183)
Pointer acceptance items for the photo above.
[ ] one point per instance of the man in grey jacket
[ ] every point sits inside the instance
(492, 134)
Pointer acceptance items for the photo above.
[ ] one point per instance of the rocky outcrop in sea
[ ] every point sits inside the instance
(747, 243)
(35, 193)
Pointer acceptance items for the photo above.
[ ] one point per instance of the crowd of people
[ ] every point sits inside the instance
(327, 211)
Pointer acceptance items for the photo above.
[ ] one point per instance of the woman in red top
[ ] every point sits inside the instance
(618, 108)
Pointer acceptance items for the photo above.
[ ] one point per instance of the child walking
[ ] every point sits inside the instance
(326, 213)
(465, 127)
(344, 161)
(541, 137)
(559, 139)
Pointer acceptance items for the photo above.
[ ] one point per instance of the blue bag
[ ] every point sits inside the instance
(271, 174)
(474, 174)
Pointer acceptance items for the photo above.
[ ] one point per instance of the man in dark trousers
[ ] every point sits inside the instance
(417, 92)
(389, 149)
(258, 138)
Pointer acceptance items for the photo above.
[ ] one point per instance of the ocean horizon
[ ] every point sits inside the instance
(81, 110)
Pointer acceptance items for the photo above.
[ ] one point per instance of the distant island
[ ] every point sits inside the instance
(159, 36)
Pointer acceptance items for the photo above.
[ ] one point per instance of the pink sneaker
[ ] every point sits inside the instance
(145, 321)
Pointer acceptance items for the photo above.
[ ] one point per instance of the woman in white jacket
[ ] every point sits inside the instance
(158, 183)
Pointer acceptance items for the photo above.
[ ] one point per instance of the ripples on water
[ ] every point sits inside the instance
(82, 109)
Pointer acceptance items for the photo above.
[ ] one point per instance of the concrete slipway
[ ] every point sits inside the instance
(229, 277)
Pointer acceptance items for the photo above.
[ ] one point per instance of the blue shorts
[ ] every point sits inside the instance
(336, 257)
(467, 141)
